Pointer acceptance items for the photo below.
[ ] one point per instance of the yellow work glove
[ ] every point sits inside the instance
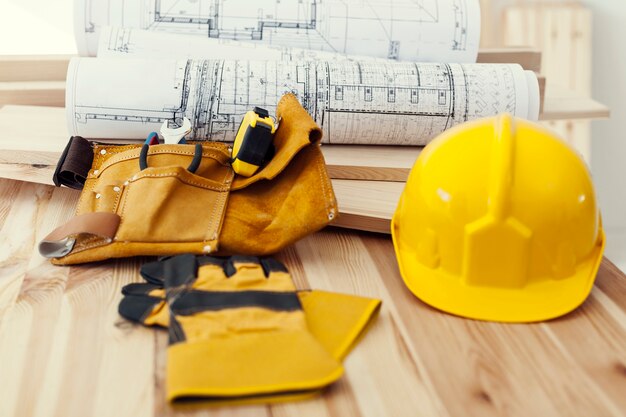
(238, 328)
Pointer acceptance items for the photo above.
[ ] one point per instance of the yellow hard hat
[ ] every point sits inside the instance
(499, 221)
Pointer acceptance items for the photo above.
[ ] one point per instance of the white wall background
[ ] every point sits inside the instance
(36, 27)
(608, 156)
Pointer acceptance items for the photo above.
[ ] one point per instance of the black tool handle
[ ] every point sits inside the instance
(193, 166)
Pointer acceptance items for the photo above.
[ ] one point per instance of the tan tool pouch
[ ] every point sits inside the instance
(171, 199)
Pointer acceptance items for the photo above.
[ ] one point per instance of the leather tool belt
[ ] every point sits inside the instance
(173, 199)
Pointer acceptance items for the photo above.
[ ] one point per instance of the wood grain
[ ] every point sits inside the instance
(498, 367)
(567, 107)
(371, 163)
(34, 67)
(64, 350)
(35, 93)
(366, 205)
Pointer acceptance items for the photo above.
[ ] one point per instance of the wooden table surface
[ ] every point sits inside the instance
(65, 351)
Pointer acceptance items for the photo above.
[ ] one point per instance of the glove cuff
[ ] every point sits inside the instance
(249, 365)
(338, 321)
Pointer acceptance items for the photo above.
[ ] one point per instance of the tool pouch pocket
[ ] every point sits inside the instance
(170, 204)
(163, 199)
(173, 199)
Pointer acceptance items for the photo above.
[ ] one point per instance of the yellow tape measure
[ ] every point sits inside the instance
(254, 142)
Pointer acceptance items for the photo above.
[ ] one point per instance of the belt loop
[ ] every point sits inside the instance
(74, 164)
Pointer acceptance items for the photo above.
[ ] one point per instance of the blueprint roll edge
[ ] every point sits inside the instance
(421, 31)
(534, 96)
(354, 102)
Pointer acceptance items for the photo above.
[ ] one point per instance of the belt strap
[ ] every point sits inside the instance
(61, 240)
(74, 164)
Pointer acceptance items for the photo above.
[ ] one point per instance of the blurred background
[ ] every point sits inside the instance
(583, 53)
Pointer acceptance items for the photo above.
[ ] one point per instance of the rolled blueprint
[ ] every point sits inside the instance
(354, 102)
(116, 42)
(407, 30)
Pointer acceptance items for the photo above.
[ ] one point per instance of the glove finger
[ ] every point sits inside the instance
(278, 277)
(143, 289)
(180, 270)
(144, 309)
(210, 260)
(152, 272)
(239, 263)
(271, 266)
(252, 273)
(210, 270)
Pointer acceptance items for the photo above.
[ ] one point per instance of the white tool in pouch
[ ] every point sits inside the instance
(175, 135)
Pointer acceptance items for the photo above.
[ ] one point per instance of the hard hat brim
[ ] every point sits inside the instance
(538, 301)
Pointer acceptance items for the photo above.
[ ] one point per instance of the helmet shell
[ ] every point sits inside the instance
(499, 221)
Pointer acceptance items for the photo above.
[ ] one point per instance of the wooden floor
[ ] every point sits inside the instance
(64, 351)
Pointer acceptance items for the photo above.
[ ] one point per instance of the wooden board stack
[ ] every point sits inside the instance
(368, 180)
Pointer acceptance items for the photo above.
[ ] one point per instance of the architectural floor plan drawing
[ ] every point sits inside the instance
(117, 42)
(353, 101)
(407, 30)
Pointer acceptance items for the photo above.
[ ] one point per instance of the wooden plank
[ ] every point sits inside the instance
(71, 344)
(612, 286)
(601, 329)
(379, 163)
(41, 174)
(16, 257)
(102, 349)
(25, 125)
(568, 107)
(34, 67)
(35, 93)
(40, 296)
(368, 173)
(366, 205)
(29, 213)
(528, 58)
(17, 146)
